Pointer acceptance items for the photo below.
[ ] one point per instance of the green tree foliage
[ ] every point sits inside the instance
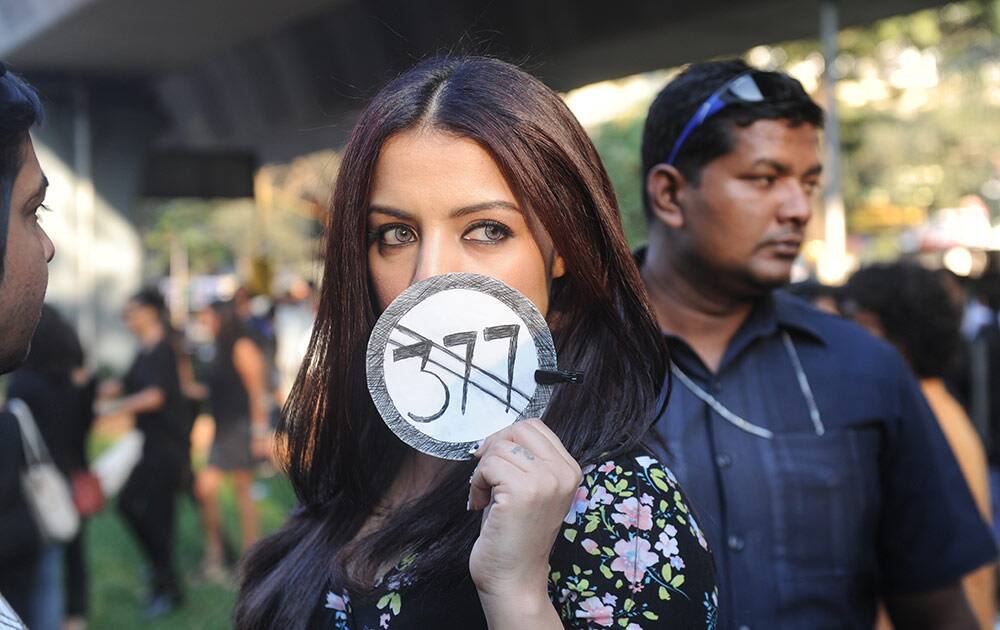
(923, 147)
(618, 144)
(221, 236)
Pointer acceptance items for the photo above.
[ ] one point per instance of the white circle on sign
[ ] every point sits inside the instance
(453, 359)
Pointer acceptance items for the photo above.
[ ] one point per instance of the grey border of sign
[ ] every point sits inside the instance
(415, 294)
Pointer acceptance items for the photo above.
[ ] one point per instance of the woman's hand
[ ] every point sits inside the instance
(524, 483)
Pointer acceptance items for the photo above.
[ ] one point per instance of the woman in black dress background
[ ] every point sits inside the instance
(237, 393)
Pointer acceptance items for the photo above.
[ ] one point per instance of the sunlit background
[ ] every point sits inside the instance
(210, 165)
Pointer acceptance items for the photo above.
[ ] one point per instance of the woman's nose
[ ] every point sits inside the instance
(436, 257)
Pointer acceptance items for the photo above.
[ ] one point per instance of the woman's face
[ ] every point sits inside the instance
(439, 205)
(210, 321)
(138, 317)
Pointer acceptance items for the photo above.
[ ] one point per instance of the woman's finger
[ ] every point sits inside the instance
(518, 454)
(492, 472)
(541, 449)
(538, 433)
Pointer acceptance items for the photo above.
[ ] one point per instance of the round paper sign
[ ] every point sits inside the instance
(453, 360)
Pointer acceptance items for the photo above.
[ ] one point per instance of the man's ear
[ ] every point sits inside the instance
(663, 186)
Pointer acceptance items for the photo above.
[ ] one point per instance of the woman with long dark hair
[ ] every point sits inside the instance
(237, 392)
(472, 165)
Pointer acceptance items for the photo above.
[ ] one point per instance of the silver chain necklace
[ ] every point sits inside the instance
(746, 425)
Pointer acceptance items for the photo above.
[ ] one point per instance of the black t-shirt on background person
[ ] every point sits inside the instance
(167, 428)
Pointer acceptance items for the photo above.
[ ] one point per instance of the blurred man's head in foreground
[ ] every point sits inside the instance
(25, 248)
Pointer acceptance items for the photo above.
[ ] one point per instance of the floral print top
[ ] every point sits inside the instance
(630, 555)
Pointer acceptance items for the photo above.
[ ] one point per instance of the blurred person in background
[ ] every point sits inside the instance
(152, 393)
(25, 250)
(823, 480)
(985, 374)
(257, 312)
(981, 304)
(55, 386)
(293, 323)
(824, 297)
(237, 393)
(960, 374)
(911, 308)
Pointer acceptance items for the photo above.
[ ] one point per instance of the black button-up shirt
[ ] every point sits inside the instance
(807, 529)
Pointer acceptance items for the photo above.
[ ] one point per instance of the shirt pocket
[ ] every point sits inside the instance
(826, 512)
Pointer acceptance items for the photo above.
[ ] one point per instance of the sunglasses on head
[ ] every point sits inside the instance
(740, 89)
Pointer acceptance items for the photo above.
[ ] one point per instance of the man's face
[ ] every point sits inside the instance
(744, 222)
(25, 274)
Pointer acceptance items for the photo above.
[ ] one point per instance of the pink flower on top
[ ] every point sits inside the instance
(606, 467)
(667, 544)
(634, 557)
(592, 609)
(600, 495)
(633, 515)
(579, 505)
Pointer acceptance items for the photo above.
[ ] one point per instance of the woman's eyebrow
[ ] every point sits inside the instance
(486, 205)
(392, 212)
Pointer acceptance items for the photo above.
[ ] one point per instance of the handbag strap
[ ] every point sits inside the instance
(34, 446)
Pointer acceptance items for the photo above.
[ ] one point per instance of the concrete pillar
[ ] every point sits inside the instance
(833, 263)
(83, 207)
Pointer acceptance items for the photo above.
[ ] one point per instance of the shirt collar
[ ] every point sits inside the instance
(772, 314)
(777, 310)
(796, 314)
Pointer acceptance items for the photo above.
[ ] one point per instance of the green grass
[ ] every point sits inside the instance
(117, 587)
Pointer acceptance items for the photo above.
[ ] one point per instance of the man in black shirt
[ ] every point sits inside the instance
(25, 250)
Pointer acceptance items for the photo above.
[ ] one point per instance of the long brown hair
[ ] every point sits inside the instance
(341, 458)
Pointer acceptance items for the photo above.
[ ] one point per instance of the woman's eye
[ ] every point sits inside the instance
(397, 235)
(488, 233)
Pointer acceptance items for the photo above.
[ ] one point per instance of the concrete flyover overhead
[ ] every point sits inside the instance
(278, 77)
(154, 98)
